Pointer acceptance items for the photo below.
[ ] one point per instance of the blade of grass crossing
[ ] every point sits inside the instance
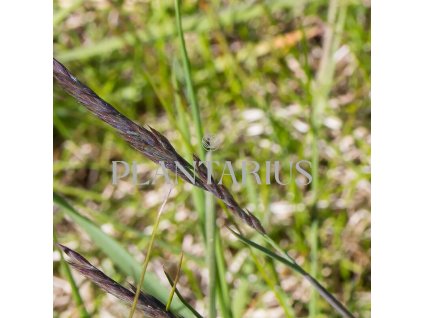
(279, 293)
(182, 299)
(197, 194)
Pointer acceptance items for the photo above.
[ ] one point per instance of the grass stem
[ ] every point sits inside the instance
(147, 258)
(172, 292)
(211, 244)
(188, 78)
(209, 204)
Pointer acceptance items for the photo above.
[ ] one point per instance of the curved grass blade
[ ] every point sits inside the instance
(294, 266)
(178, 272)
(181, 298)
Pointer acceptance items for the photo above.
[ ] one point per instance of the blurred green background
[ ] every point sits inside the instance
(283, 80)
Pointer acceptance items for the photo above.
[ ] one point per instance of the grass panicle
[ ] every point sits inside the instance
(146, 304)
(149, 142)
(83, 313)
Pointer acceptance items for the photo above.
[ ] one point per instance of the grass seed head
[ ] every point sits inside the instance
(149, 142)
(147, 304)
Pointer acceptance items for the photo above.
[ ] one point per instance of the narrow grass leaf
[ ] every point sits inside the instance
(294, 266)
(181, 298)
(178, 272)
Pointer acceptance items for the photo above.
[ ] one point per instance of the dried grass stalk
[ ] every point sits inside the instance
(147, 304)
(149, 142)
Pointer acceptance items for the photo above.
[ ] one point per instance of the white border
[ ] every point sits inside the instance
(26, 159)
(397, 178)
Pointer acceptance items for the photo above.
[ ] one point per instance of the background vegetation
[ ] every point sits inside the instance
(274, 80)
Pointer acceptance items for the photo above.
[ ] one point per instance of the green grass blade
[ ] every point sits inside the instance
(320, 99)
(188, 78)
(182, 299)
(279, 293)
(277, 257)
(211, 255)
(223, 289)
(209, 207)
(294, 266)
(240, 299)
(313, 308)
(178, 273)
